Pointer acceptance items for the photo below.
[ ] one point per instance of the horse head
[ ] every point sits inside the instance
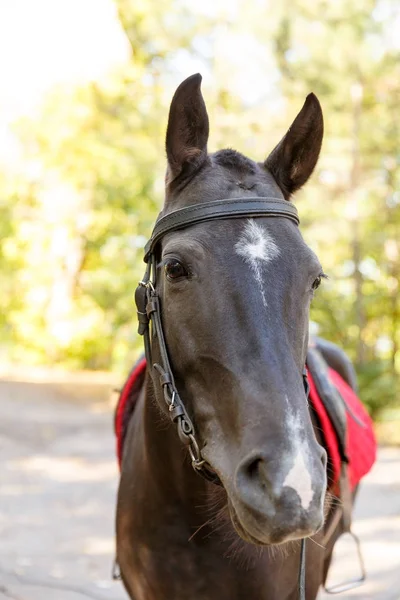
(235, 297)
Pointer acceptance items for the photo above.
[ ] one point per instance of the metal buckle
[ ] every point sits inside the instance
(172, 402)
(194, 451)
(351, 584)
(147, 284)
(116, 571)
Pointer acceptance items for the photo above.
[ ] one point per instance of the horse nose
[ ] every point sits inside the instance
(253, 478)
(258, 470)
(289, 489)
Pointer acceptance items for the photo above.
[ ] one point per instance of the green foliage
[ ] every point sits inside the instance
(73, 222)
(378, 387)
(343, 52)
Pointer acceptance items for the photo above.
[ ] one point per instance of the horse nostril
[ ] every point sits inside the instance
(252, 474)
(253, 469)
(324, 457)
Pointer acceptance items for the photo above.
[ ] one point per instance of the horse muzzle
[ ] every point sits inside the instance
(276, 503)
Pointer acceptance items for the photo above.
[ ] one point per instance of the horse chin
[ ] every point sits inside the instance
(241, 531)
(261, 538)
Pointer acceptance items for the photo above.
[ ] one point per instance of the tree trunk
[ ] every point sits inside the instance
(355, 177)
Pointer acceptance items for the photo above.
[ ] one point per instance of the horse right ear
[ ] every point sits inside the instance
(187, 131)
(294, 158)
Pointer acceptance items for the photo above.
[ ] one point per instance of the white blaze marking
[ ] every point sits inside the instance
(299, 477)
(257, 247)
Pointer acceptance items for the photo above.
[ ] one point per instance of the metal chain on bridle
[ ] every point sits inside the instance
(150, 324)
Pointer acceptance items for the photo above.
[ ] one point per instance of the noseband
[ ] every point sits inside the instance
(149, 313)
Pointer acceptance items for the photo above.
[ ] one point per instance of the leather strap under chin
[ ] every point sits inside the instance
(302, 571)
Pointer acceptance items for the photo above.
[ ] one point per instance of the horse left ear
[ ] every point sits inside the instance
(187, 131)
(293, 160)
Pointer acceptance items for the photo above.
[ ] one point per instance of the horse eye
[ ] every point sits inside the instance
(174, 269)
(317, 283)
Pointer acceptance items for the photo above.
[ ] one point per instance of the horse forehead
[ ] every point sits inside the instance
(256, 243)
(257, 240)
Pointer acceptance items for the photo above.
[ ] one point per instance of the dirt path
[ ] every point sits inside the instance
(57, 494)
(377, 523)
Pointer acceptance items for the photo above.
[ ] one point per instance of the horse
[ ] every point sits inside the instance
(235, 294)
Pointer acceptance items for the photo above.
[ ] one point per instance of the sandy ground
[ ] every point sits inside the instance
(58, 480)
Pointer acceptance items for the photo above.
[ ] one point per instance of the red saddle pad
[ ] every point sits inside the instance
(361, 442)
(126, 404)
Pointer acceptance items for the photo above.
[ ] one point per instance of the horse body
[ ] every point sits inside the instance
(235, 298)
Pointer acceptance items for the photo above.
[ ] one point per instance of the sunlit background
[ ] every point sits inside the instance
(85, 90)
(85, 87)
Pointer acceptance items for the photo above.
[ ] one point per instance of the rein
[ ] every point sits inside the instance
(149, 315)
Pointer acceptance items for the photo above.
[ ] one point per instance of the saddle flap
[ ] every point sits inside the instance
(330, 397)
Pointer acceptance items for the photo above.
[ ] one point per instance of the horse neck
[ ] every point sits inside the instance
(165, 504)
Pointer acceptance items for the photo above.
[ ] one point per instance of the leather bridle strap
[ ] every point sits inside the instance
(302, 571)
(219, 210)
(148, 304)
(302, 566)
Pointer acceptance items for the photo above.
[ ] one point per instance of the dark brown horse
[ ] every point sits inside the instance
(235, 297)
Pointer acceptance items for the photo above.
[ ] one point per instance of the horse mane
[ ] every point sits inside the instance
(235, 160)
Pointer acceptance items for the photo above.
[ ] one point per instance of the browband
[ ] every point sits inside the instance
(220, 209)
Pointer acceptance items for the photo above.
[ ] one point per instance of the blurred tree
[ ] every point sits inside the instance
(343, 52)
(10, 258)
(101, 161)
(70, 248)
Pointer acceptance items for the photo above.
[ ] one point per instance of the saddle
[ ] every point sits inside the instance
(349, 440)
(347, 429)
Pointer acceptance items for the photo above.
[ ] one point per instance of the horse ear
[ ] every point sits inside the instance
(187, 131)
(293, 160)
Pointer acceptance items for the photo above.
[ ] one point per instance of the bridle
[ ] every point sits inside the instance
(149, 314)
(148, 302)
